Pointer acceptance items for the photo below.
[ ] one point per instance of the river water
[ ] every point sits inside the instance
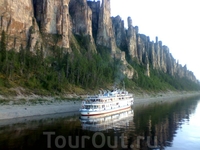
(164, 125)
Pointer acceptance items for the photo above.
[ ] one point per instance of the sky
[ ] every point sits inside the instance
(175, 22)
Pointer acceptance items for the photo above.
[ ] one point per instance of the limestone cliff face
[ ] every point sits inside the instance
(95, 7)
(81, 17)
(110, 32)
(125, 68)
(142, 42)
(17, 19)
(119, 32)
(132, 39)
(53, 18)
(157, 50)
(163, 61)
(105, 35)
(32, 23)
(121, 42)
(34, 38)
(147, 52)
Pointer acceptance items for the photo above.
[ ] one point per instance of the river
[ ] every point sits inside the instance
(173, 125)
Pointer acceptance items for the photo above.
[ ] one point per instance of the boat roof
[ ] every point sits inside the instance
(107, 93)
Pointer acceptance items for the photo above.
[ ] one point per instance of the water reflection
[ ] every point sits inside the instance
(115, 120)
(162, 121)
(188, 135)
(172, 125)
(27, 133)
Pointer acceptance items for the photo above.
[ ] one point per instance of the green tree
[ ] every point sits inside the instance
(3, 47)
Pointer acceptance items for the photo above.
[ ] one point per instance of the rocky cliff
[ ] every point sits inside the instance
(17, 19)
(81, 18)
(47, 23)
(146, 52)
(53, 19)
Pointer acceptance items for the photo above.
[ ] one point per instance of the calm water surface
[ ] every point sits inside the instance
(171, 126)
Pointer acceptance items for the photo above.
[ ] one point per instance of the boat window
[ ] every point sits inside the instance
(87, 107)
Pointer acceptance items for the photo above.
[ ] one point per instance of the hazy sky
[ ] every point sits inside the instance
(175, 22)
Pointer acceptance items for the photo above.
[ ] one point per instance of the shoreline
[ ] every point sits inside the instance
(163, 97)
(50, 105)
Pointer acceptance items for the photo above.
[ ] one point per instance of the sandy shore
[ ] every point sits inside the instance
(162, 97)
(16, 111)
(10, 110)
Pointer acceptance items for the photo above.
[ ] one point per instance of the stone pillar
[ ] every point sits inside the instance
(129, 22)
(105, 33)
(53, 18)
(156, 39)
(147, 73)
(131, 40)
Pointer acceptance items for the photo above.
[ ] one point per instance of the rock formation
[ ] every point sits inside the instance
(119, 32)
(81, 17)
(105, 36)
(53, 18)
(32, 23)
(17, 18)
(95, 7)
(132, 39)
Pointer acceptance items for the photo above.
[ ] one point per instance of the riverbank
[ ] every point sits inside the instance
(170, 96)
(36, 106)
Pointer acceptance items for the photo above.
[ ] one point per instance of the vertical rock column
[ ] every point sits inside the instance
(119, 32)
(164, 60)
(170, 63)
(157, 50)
(142, 42)
(81, 15)
(64, 23)
(105, 36)
(16, 19)
(95, 7)
(147, 73)
(131, 40)
(152, 55)
(53, 18)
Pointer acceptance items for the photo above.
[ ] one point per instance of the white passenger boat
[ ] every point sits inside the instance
(106, 102)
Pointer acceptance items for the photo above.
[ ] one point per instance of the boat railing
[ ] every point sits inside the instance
(105, 102)
(110, 94)
(106, 96)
